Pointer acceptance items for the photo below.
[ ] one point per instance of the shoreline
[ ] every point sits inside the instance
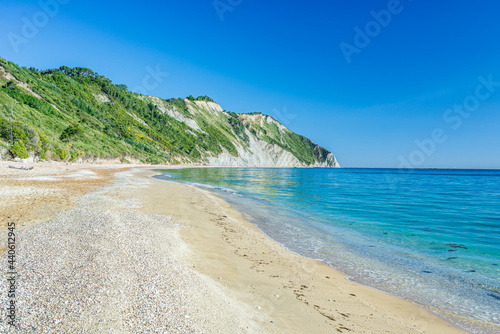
(462, 323)
(258, 284)
(408, 314)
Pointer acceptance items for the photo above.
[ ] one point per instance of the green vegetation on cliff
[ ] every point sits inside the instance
(75, 113)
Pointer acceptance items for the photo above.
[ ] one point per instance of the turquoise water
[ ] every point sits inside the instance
(429, 236)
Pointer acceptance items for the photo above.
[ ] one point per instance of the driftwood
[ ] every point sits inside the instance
(23, 168)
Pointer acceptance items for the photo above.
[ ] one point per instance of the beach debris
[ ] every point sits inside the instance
(22, 168)
(258, 307)
(277, 296)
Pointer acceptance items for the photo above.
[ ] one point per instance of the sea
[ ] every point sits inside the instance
(430, 236)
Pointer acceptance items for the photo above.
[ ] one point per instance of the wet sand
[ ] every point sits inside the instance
(250, 283)
(296, 294)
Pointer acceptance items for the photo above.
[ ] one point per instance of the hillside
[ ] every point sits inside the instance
(74, 114)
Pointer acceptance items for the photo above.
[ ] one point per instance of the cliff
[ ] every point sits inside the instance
(76, 114)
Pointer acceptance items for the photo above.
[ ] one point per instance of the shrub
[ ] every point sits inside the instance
(43, 152)
(61, 153)
(9, 84)
(71, 131)
(30, 100)
(123, 160)
(73, 155)
(19, 150)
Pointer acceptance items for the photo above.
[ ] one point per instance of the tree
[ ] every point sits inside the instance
(204, 98)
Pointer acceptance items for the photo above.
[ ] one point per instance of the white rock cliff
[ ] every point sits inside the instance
(253, 151)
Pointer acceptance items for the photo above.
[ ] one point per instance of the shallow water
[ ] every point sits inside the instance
(429, 236)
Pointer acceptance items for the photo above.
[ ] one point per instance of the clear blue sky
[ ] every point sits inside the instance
(284, 58)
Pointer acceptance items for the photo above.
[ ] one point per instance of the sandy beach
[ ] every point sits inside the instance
(109, 248)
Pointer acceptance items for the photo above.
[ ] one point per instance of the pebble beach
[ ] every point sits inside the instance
(132, 254)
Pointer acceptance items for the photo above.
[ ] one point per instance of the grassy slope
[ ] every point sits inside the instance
(127, 125)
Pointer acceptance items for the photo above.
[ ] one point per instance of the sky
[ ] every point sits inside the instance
(409, 83)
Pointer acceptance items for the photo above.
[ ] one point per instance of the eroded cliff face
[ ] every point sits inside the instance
(259, 153)
(259, 140)
(330, 162)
